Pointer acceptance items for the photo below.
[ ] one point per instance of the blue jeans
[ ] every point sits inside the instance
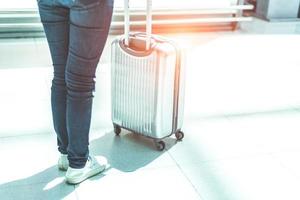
(76, 32)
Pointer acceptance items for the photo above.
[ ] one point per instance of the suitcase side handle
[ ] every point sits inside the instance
(148, 23)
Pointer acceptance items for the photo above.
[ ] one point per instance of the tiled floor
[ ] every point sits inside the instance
(242, 130)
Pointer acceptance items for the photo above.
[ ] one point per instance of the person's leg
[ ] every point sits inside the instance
(55, 20)
(89, 25)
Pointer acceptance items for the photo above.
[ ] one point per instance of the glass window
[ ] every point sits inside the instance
(19, 18)
(161, 4)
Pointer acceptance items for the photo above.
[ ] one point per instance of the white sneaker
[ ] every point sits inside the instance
(92, 167)
(63, 162)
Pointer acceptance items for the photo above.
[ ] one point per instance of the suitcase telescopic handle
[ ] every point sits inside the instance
(148, 23)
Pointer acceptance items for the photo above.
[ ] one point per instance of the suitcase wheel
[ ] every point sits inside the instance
(179, 135)
(160, 145)
(117, 129)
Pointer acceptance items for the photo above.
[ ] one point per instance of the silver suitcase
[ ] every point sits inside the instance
(147, 84)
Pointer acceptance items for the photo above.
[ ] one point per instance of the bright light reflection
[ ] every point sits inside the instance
(54, 183)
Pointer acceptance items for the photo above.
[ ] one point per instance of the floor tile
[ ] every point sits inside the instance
(215, 139)
(54, 190)
(275, 131)
(290, 161)
(25, 101)
(30, 171)
(165, 183)
(256, 178)
(37, 154)
(237, 136)
(23, 117)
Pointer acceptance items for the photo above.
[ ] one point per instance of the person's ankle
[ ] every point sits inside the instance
(63, 162)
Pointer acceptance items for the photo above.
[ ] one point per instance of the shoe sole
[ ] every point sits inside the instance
(91, 173)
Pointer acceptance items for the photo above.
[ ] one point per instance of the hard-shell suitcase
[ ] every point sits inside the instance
(147, 84)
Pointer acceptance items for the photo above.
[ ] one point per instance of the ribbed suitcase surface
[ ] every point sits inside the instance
(143, 89)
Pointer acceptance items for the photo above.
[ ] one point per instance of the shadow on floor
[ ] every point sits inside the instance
(128, 152)
(47, 184)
